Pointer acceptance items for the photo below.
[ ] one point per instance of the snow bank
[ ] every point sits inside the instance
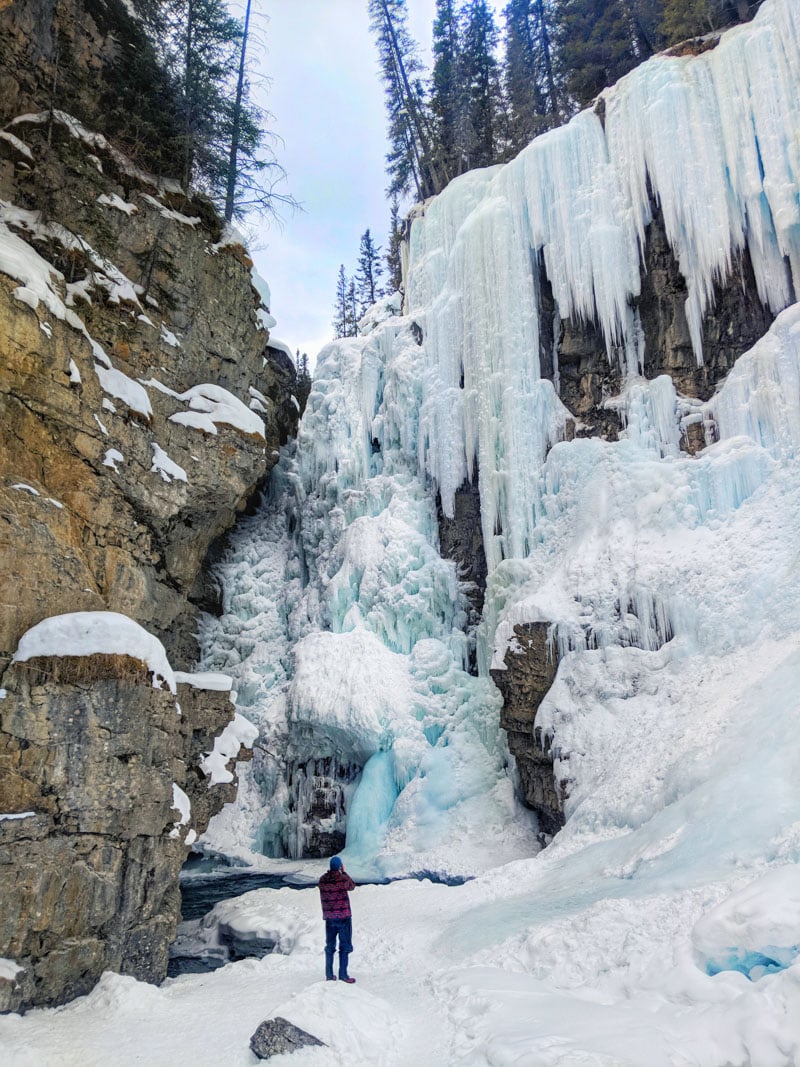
(9, 969)
(350, 689)
(755, 930)
(122, 387)
(89, 633)
(265, 916)
(113, 458)
(117, 203)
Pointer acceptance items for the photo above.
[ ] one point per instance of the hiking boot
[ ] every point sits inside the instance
(350, 981)
(330, 978)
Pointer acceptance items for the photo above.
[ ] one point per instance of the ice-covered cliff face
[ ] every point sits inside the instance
(346, 639)
(711, 139)
(666, 580)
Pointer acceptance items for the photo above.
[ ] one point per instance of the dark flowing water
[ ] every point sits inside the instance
(199, 892)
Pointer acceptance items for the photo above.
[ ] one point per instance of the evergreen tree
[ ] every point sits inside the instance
(236, 130)
(481, 80)
(341, 314)
(692, 18)
(368, 272)
(206, 41)
(595, 46)
(394, 265)
(530, 85)
(447, 93)
(226, 147)
(303, 387)
(353, 312)
(410, 160)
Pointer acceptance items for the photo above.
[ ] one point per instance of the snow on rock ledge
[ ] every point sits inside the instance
(240, 732)
(90, 633)
(210, 405)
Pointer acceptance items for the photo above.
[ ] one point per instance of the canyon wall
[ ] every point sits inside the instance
(140, 411)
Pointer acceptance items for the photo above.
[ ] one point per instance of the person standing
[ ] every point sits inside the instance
(334, 887)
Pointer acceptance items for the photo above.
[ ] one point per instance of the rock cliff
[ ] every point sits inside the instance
(140, 410)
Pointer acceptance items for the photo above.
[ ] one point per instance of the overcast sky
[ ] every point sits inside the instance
(327, 101)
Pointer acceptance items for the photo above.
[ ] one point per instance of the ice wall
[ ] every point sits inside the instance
(712, 139)
(344, 630)
(645, 562)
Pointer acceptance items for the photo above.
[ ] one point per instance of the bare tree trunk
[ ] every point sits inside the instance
(237, 121)
(188, 92)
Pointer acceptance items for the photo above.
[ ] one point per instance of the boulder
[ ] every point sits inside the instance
(277, 1036)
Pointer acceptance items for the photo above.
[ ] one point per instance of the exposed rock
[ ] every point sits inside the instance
(461, 539)
(319, 793)
(107, 502)
(732, 325)
(530, 671)
(278, 1036)
(89, 881)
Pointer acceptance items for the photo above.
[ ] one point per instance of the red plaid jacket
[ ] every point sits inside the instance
(333, 889)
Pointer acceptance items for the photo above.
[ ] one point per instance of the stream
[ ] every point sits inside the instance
(206, 881)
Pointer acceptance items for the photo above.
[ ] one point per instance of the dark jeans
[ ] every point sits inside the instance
(343, 929)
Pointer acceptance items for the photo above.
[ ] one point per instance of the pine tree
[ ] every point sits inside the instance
(595, 46)
(481, 79)
(353, 312)
(683, 19)
(236, 130)
(394, 264)
(410, 160)
(227, 151)
(368, 273)
(529, 79)
(447, 93)
(341, 315)
(303, 387)
(206, 41)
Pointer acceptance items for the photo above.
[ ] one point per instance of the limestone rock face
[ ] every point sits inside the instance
(140, 411)
(461, 539)
(168, 308)
(89, 879)
(524, 684)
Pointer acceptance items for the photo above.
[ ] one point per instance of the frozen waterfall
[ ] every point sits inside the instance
(655, 570)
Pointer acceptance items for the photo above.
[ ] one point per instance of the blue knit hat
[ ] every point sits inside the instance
(336, 863)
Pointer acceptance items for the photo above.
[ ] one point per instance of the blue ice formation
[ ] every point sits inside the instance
(345, 629)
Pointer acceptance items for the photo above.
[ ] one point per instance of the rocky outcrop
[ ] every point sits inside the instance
(587, 378)
(530, 671)
(461, 539)
(89, 869)
(140, 411)
(278, 1037)
(170, 307)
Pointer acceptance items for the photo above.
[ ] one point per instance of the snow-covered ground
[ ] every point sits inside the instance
(564, 959)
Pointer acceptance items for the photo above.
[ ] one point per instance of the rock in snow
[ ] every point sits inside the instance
(278, 1036)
